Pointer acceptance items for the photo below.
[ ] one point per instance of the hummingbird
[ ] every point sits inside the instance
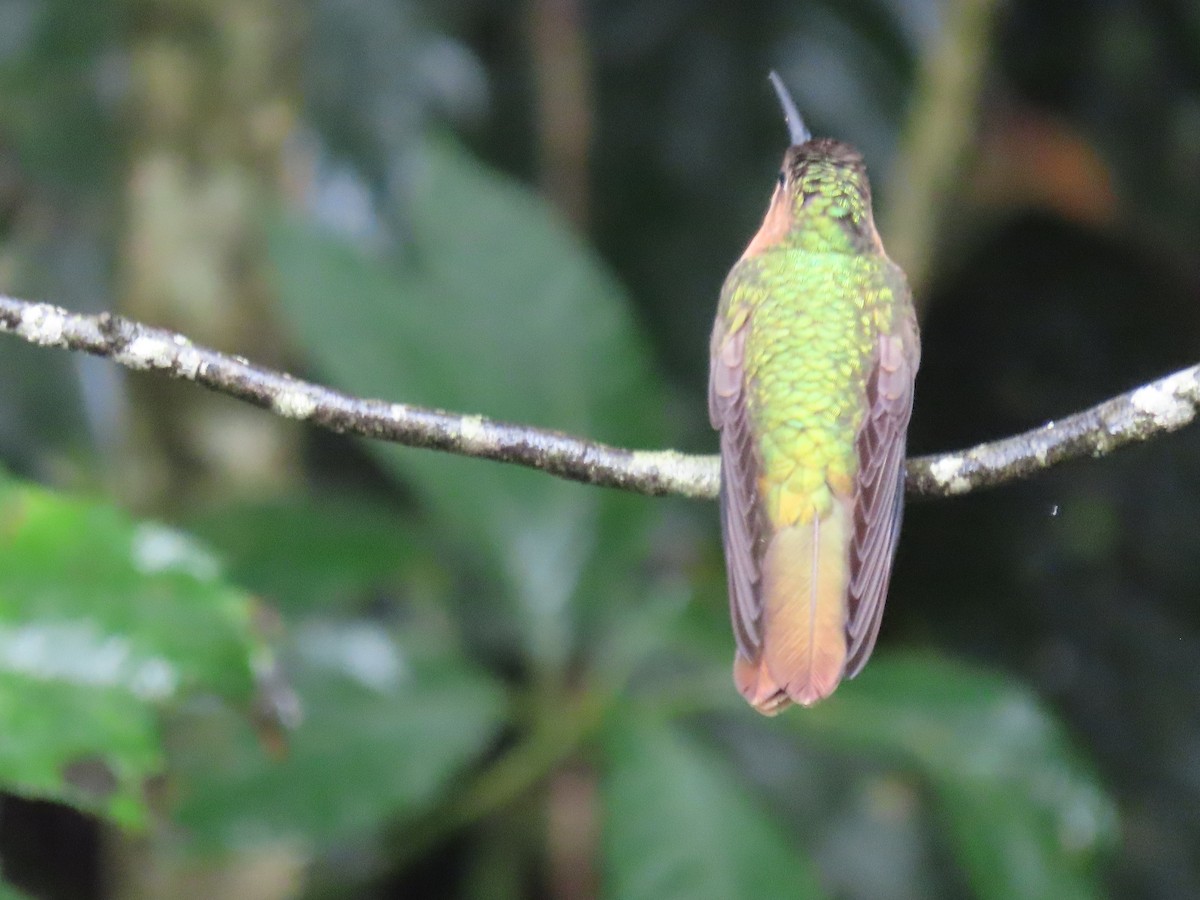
(812, 361)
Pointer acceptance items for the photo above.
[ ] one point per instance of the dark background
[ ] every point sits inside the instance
(1056, 262)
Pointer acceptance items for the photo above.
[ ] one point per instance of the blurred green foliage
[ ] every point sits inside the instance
(679, 823)
(461, 634)
(104, 624)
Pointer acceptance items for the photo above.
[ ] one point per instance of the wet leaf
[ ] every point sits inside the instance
(104, 622)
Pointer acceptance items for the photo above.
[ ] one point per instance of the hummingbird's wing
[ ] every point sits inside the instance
(879, 486)
(741, 520)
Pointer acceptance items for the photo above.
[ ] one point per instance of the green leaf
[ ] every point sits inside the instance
(310, 553)
(8, 892)
(384, 731)
(495, 309)
(1027, 816)
(1009, 848)
(679, 823)
(104, 621)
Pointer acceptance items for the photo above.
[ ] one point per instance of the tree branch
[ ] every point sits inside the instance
(1153, 409)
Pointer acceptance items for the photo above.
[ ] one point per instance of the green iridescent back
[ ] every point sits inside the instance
(814, 320)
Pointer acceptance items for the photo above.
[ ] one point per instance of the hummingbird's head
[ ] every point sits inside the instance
(826, 180)
(822, 200)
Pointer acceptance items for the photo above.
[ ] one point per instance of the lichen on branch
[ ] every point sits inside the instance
(1159, 407)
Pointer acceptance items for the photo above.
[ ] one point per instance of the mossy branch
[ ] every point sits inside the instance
(1161, 406)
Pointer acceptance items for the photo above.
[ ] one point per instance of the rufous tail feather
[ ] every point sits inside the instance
(805, 574)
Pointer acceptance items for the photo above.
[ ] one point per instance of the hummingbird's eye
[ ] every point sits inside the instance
(782, 178)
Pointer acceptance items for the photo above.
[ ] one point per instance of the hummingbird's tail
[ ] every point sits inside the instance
(805, 575)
